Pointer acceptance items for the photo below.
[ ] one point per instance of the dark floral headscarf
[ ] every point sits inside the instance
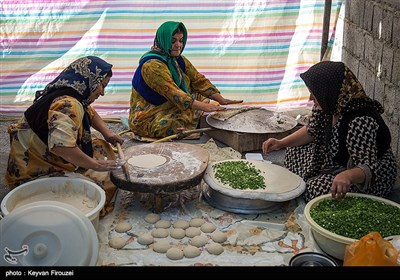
(336, 88)
(339, 93)
(83, 75)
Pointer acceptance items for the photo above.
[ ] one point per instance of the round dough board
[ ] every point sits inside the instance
(281, 184)
(177, 166)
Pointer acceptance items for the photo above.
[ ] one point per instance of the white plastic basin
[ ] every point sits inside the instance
(61, 186)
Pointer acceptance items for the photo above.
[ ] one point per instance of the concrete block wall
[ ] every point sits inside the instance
(371, 48)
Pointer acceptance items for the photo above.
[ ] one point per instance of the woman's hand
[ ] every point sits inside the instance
(341, 185)
(229, 101)
(270, 145)
(207, 107)
(222, 100)
(114, 138)
(77, 157)
(344, 180)
(107, 165)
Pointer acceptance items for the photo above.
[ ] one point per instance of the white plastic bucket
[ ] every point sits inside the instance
(76, 186)
(49, 233)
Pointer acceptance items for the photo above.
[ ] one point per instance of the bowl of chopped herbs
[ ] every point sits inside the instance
(336, 223)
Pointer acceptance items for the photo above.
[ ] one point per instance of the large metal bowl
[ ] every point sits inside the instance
(222, 196)
(238, 205)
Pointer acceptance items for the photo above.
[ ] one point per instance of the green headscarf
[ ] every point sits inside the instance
(161, 48)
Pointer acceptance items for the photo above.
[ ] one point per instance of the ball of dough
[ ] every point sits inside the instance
(117, 242)
(152, 218)
(161, 246)
(192, 232)
(208, 227)
(145, 239)
(214, 248)
(181, 224)
(178, 233)
(160, 233)
(199, 241)
(174, 254)
(219, 236)
(191, 251)
(123, 227)
(163, 224)
(196, 222)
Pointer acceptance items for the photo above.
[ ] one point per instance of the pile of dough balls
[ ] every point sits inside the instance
(119, 242)
(192, 229)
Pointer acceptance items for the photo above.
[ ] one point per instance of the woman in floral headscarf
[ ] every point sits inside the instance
(346, 145)
(168, 93)
(53, 137)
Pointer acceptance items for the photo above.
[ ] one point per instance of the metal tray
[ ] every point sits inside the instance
(238, 205)
(255, 121)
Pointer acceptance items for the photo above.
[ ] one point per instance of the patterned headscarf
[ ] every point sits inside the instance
(83, 75)
(337, 89)
(339, 93)
(162, 46)
(324, 81)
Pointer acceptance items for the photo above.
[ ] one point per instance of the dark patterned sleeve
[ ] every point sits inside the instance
(361, 145)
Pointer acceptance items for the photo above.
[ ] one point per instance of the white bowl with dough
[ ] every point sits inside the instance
(83, 194)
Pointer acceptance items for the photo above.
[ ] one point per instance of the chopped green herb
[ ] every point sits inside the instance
(239, 175)
(354, 217)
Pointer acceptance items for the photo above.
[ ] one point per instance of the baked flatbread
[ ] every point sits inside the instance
(229, 113)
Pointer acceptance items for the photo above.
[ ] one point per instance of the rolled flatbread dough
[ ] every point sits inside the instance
(147, 161)
(226, 114)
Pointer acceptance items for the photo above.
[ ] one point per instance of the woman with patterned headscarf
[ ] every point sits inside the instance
(53, 137)
(346, 145)
(168, 93)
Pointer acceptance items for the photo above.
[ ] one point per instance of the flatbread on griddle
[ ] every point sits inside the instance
(229, 113)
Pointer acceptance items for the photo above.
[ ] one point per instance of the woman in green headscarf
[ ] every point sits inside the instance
(168, 93)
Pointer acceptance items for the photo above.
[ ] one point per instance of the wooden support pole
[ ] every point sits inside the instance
(325, 27)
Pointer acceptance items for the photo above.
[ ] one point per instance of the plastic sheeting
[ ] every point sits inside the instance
(250, 49)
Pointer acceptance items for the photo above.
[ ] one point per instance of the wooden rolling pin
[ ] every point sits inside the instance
(183, 134)
(125, 167)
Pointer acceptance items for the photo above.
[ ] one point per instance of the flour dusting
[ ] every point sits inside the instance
(191, 163)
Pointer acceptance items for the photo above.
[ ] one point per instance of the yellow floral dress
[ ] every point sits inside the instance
(30, 158)
(146, 119)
